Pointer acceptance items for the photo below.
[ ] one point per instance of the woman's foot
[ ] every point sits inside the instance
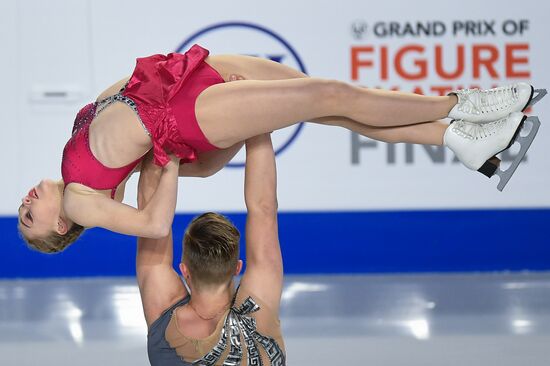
(476, 145)
(479, 105)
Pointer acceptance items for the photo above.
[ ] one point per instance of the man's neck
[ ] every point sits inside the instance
(210, 300)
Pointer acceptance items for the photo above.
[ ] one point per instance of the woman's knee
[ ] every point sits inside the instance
(333, 92)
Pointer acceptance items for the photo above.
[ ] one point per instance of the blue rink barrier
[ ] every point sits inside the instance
(329, 242)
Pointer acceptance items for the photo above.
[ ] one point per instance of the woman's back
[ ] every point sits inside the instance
(116, 137)
(117, 131)
(105, 146)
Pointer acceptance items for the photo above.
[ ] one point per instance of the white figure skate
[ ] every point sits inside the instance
(476, 145)
(481, 106)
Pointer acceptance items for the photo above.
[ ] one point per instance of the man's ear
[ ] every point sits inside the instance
(185, 271)
(239, 267)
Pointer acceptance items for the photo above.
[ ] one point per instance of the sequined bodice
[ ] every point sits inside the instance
(79, 165)
(155, 82)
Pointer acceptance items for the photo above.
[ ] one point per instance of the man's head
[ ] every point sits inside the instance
(210, 251)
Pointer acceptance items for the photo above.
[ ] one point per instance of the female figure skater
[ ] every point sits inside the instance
(179, 104)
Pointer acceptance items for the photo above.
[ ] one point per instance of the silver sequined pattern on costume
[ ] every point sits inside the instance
(237, 322)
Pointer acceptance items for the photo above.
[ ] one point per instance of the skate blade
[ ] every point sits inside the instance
(525, 143)
(541, 93)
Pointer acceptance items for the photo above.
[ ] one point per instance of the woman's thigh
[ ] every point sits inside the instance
(252, 68)
(271, 97)
(231, 112)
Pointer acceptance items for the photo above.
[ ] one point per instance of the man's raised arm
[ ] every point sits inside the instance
(159, 284)
(264, 265)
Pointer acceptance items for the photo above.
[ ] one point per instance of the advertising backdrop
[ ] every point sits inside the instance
(348, 203)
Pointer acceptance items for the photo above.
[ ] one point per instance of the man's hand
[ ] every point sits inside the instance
(235, 77)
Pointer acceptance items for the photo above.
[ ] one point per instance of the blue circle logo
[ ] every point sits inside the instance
(252, 40)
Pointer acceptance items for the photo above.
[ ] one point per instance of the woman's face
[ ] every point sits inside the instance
(40, 209)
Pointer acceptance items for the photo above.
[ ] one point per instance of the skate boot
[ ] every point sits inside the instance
(476, 145)
(478, 105)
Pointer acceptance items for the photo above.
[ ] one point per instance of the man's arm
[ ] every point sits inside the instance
(264, 264)
(159, 284)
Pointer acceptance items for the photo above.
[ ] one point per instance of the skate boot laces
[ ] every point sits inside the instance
(476, 101)
(476, 131)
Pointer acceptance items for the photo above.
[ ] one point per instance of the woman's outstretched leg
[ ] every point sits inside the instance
(428, 133)
(387, 116)
(232, 112)
(237, 67)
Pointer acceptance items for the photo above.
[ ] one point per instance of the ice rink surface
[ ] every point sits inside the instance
(446, 319)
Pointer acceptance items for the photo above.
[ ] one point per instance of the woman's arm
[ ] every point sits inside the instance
(153, 221)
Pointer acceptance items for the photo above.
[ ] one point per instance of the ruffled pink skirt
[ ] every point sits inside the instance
(165, 88)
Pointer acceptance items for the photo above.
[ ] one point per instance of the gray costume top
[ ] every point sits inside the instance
(159, 351)
(238, 327)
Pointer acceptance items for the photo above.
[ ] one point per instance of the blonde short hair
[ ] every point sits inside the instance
(211, 249)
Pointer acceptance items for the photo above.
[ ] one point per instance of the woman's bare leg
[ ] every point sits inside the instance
(428, 133)
(234, 68)
(228, 113)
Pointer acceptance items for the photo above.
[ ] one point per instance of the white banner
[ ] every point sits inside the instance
(67, 52)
